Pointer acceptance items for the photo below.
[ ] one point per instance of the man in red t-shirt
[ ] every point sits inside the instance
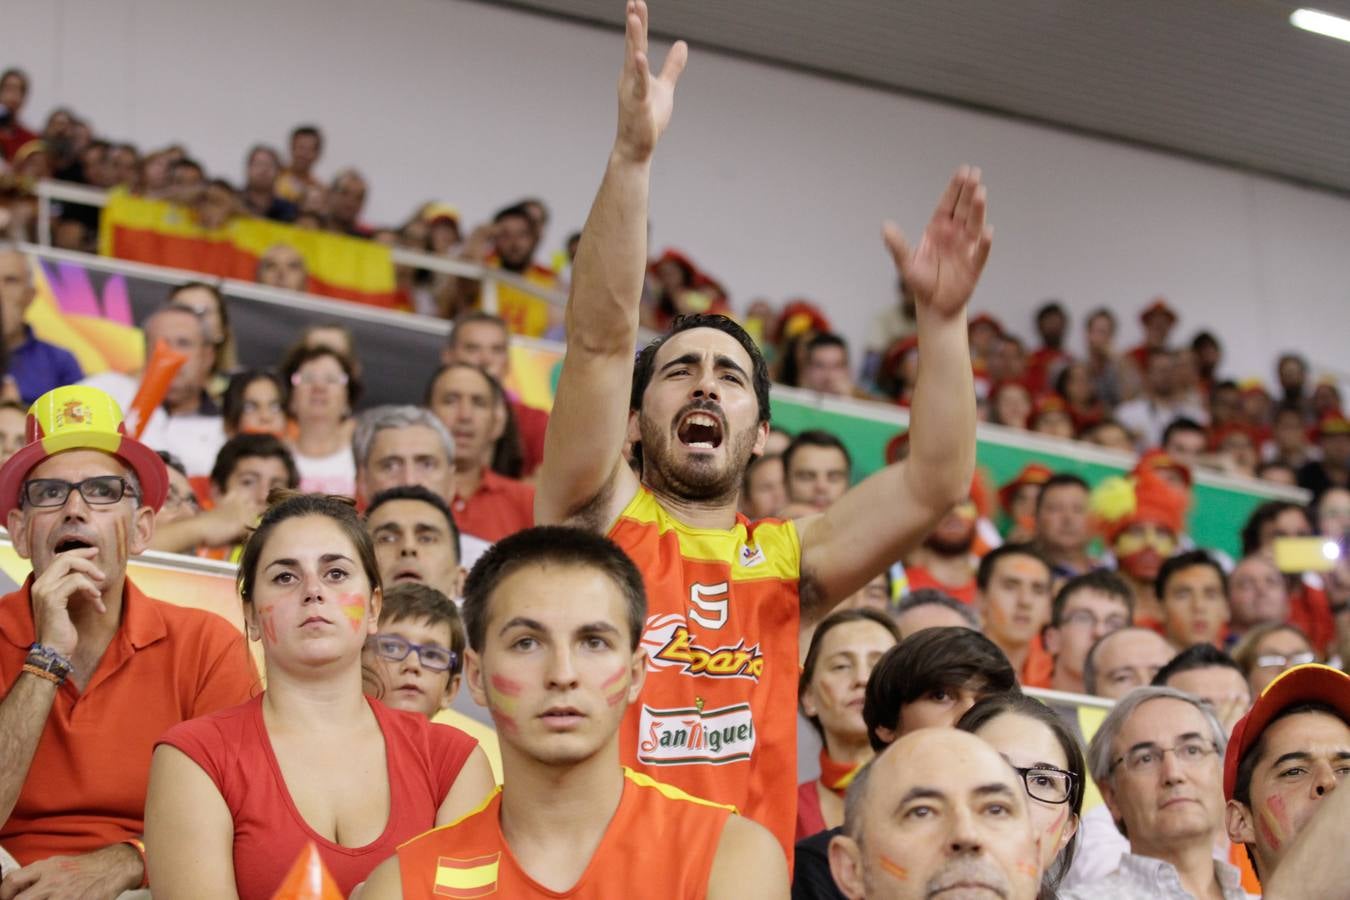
(727, 596)
(481, 339)
(486, 505)
(93, 671)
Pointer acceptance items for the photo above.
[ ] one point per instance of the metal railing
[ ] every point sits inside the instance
(68, 192)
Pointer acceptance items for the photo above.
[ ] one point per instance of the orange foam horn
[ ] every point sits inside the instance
(308, 879)
(160, 370)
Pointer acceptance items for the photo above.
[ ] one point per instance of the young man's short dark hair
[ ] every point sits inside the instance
(308, 131)
(411, 601)
(1099, 580)
(1180, 424)
(1059, 479)
(1052, 308)
(646, 359)
(985, 573)
(1187, 560)
(557, 545)
(815, 437)
(473, 316)
(933, 659)
(1196, 656)
(825, 339)
(421, 494)
(515, 211)
(248, 446)
(935, 597)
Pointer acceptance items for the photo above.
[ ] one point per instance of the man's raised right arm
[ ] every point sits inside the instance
(583, 469)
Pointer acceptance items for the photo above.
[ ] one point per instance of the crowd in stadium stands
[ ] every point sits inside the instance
(641, 604)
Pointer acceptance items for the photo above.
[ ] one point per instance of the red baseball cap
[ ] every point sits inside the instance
(1308, 683)
(1157, 307)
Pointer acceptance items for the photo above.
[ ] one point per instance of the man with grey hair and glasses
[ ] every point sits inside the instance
(1158, 762)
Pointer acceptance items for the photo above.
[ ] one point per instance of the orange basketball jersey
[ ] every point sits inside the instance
(718, 714)
(660, 843)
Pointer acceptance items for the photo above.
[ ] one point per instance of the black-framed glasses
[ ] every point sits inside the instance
(431, 656)
(1047, 783)
(1147, 758)
(101, 490)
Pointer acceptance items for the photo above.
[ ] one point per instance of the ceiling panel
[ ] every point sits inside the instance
(1226, 80)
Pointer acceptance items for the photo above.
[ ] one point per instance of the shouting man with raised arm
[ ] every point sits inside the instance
(728, 598)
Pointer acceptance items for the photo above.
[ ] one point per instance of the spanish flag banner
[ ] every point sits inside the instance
(164, 234)
(467, 878)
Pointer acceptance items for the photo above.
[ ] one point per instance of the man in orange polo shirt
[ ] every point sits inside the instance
(92, 670)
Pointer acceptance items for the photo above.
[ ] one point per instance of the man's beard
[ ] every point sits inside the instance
(951, 547)
(697, 480)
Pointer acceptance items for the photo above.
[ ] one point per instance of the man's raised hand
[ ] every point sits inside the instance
(942, 271)
(645, 100)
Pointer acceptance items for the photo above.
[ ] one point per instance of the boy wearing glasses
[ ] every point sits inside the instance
(418, 653)
(92, 671)
(414, 663)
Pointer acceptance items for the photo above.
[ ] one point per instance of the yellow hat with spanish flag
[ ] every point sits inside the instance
(77, 417)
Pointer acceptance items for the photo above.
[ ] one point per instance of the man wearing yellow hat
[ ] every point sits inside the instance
(92, 671)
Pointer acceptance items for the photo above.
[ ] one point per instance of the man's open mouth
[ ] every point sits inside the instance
(71, 543)
(700, 430)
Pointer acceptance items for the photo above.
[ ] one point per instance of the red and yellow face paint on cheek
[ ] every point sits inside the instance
(503, 699)
(353, 607)
(615, 688)
(269, 626)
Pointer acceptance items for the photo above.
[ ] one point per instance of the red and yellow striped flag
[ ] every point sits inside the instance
(164, 234)
(467, 878)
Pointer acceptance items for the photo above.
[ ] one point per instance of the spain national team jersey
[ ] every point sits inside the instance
(660, 843)
(524, 313)
(718, 714)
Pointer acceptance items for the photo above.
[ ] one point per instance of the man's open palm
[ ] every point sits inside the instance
(645, 101)
(942, 271)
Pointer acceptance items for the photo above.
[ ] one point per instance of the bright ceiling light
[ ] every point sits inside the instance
(1321, 23)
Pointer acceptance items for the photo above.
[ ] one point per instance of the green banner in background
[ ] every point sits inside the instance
(1220, 505)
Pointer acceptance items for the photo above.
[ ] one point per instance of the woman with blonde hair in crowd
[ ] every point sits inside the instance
(236, 796)
(843, 652)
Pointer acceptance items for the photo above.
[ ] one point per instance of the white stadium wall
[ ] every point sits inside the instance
(775, 181)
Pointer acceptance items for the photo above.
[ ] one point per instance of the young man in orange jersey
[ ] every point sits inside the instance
(570, 821)
(729, 599)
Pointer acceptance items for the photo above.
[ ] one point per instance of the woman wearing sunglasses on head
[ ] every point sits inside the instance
(235, 797)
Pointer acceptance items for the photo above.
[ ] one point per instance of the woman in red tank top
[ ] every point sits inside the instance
(844, 649)
(236, 796)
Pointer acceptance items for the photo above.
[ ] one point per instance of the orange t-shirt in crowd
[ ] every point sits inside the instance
(86, 787)
(660, 843)
(717, 716)
(919, 577)
(501, 506)
(525, 313)
(1038, 668)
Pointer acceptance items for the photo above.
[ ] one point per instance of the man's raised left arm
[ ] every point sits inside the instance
(881, 519)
